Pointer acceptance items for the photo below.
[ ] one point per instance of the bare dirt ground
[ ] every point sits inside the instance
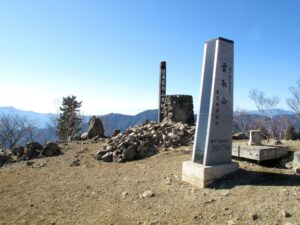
(109, 193)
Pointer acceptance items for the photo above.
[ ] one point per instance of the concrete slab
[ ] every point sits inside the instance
(258, 152)
(201, 176)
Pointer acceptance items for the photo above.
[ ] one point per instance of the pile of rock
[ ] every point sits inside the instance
(144, 140)
(31, 151)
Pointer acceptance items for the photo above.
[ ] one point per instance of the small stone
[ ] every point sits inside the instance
(124, 194)
(84, 136)
(226, 193)
(108, 148)
(108, 157)
(232, 222)
(285, 214)
(29, 163)
(38, 165)
(82, 150)
(76, 162)
(147, 194)
(170, 134)
(168, 181)
(289, 165)
(198, 216)
(254, 216)
(210, 201)
(99, 153)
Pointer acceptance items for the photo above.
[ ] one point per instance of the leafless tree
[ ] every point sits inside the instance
(15, 130)
(284, 123)
(52, 125)
(240, 119)
(264, 103)
(294, 101)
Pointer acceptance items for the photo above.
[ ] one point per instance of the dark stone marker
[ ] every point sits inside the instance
(162, 89)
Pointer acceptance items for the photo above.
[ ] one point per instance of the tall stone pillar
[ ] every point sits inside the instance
(162, 89)
(213, 138)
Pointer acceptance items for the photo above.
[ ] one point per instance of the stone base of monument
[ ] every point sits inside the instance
(201, 176)
(259, 152)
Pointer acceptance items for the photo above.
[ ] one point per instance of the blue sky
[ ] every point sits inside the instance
(107, 53)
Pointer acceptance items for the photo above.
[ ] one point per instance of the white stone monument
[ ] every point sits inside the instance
(213, 138)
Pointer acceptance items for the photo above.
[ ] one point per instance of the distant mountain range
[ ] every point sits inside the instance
(110, 121)
(40, 119)
(114, 121)
(272, 112)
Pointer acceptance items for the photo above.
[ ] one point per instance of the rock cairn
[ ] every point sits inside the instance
(145, 140)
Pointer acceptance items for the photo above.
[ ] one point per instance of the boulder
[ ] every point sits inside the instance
(99, 153)
(33, 149)
(95, 127)
(18, 151)
(108, 157)
(84, 136)
(129, 153)
(50, 149)
(4, 159)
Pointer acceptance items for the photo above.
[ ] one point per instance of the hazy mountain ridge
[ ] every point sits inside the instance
(273, 112)
(114, 121)
(110, 121)
(40, 120)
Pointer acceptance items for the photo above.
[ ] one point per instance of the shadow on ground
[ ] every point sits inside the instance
(246, 177)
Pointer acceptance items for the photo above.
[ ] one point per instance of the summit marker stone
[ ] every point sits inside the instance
(162, 89)
(212, 150)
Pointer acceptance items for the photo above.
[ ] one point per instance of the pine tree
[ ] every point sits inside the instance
(69, 120)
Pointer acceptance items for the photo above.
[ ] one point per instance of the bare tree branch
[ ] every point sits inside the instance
(15, 130)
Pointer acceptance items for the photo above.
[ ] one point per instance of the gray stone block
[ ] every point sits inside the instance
(259, 152)
(201, 176)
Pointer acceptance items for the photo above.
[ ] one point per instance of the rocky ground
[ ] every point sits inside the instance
(146, 191)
